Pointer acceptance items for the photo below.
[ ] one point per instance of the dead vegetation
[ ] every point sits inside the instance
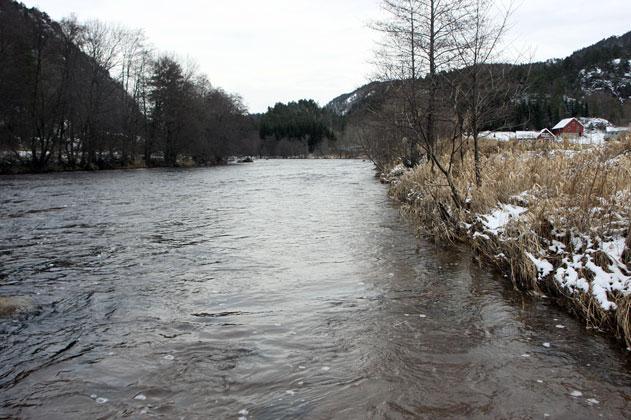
(573, 240)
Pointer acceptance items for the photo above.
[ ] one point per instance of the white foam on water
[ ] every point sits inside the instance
(326, 368)
(290, 392)
(101, 400)
(546, 345)
(169, 357)
(140, 397)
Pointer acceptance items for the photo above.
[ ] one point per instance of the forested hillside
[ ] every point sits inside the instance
(297, 129)
(91, 95)
(592, 82)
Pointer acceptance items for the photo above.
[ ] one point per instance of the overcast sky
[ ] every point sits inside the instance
(281, 50)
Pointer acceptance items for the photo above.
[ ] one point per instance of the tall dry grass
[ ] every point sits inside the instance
(580, 190)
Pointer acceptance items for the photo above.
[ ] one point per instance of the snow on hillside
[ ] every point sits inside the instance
(615, 79)
(343, 104)
(595, 123)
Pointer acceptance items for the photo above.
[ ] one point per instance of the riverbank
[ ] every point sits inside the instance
(15, 167)
(18, 168)
(554, 218)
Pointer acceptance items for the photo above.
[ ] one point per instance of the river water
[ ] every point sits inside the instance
(276, 290)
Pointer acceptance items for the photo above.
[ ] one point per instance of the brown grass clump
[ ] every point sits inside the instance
(570, 191)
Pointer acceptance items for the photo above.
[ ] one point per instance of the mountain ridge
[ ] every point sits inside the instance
(593, 81)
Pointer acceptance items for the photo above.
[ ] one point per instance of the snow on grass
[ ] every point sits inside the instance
(577, 271)
(574, 268)
(496, 221)
(543, 266)
(556, 214)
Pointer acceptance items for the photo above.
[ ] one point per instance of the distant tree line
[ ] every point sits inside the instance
(91, 95)
(297, 128)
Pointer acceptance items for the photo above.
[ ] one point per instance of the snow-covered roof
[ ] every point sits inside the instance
(546, 131)
(526, 134)
(564, 123)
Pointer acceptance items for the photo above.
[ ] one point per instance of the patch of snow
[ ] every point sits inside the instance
(611, 279)
(481, 235)
(527, 135)
(498, 135)
(576, 394)
(496, 221)
(618, 129)
(595, 123)
(544, 267)
(614, 249)
(397, 171)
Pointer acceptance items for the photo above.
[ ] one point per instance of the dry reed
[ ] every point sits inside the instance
(570, 191)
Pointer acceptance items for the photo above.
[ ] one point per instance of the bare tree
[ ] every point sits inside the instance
(420, 45)
(102, 44)
(483, 88)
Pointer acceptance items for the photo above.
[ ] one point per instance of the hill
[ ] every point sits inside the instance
(592, 82)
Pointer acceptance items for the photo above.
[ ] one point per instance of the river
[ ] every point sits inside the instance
(277, 290)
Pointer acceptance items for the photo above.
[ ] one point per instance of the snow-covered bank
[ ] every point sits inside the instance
(554, 218)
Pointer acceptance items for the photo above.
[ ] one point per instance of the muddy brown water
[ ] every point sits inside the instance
(276, 290)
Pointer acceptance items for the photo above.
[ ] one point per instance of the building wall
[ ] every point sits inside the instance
(573, 128)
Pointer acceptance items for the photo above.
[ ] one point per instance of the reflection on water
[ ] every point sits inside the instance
(281, 289)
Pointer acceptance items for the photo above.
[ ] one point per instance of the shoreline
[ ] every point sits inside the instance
(241, 160)
(545, 235)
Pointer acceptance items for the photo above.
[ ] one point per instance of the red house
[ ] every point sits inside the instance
(569, 126)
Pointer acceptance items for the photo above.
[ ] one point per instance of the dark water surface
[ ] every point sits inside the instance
(278, 290)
